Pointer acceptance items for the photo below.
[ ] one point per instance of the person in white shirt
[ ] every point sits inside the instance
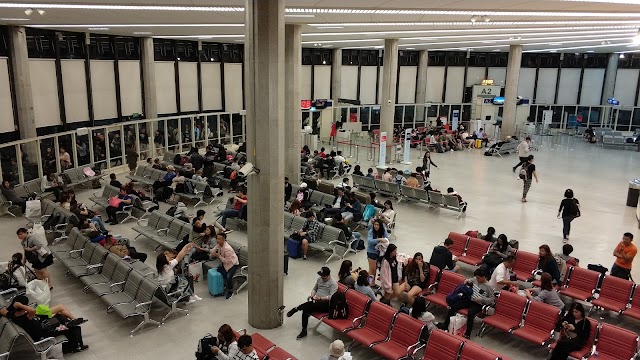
(523, 152)
(501, 275)
(167, 277)
(336, 351)
(245, 349)
(338, 158)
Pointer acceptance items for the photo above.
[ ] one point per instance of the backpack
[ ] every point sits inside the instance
(369, 212)
(338, 308)
(172, 210)
(177, 159)
(523, 172)
(461, 292)
(562, 266)
(188, 187)
(204, 347)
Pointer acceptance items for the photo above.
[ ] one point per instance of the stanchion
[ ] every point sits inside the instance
(350, 148)
(420, 154)
(357, 155)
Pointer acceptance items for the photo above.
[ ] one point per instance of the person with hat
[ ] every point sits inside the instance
(303, 195)
(318, 301)
(336, 351)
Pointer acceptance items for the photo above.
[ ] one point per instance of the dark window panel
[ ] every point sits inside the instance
(572, 60)
(187, 50)
(437, 58)
(497, 59)
(530, 60)
(232, 53)
(630, 61)
(101, 47)
(127, 48)
(4, 41)
(456, 58)
(478, 59)
(549, 60)
(71, 45)
(211, 52)
(40, 43)
(595, 61)
(164, 50)
(408, 58)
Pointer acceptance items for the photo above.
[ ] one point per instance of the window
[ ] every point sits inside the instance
(456, 58)
(529, 60)
(232, 53)
(630, 61)
(408, 58)
(572, 60)
(186, 50)
(478, 59)
(437, 58)
(71, 45)
(311, 56)
(549, 60)
(4, 41)
(211, 52)
(595, 61)
(40, 43)
(499, 59)
(163, 50)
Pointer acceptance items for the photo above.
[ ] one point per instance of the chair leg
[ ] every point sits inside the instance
(144, 322)
(246, 281)
(174, 309)
(200, 202)
(333, 253)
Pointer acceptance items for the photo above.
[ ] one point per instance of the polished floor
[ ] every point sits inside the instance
(599, 178)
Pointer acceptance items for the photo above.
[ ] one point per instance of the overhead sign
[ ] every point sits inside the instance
(407, 147)
(613, 101)
(487, 82)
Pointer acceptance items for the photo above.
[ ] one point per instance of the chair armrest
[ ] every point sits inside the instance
(44, 217)
(96, 194)
(417, 346)
(244, 271)
(60, 227)
(357, 320)
(8, 291)
(150, 273)
(9, 203)
(160, 231)
(144, 304)
(174, 294)
(127, 208)
(48, 342)
(116, 284)
(94, 267)
(72, 252)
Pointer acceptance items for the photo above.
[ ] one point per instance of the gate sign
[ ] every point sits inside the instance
(383, 150)
(407, 147)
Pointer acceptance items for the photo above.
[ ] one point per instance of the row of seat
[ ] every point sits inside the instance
(147, 175)
(77, 177)
(128, 288)
(140, 207)
(60, 229)
(266, 349)
(15, 343)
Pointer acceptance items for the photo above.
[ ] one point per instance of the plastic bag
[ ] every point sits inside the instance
(33, 209)
(458, 325)
(38, 290)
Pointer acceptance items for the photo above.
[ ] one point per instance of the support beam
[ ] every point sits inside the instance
(610, 78)
(264, 77)
(421, 86)
(336, 81)
(389, 80)
(149, 80)
(511, 91)
(293, 115)
(22, 82)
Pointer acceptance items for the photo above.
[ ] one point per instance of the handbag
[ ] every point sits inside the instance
(577, 208)
(38, 290)
(88, 172)
(114, 201)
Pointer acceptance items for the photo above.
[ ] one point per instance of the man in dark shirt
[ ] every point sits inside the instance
(443, 258)
(287, 189)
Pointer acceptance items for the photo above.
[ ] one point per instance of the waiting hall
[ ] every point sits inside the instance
(319, 180)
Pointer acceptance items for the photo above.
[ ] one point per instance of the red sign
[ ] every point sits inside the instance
(383, 138)
(353, 117)
(305, 104)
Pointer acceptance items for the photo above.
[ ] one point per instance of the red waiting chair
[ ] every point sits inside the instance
(358, 305)
(261, 344)
(459, 243)
(615, 343)
(280, 354)
(615, 294)
(377, 325)
(473, 351)
(526, 263)
(405, 338)
(634, 310)
(448, 282)
(442, 346)
(587, 349)
(434, 274)
(510, 309)
(476, 248)
(539, 323)
(581, 283)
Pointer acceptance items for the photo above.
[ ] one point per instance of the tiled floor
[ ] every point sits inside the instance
(599, 178)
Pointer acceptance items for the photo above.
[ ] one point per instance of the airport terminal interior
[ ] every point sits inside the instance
(92, 91)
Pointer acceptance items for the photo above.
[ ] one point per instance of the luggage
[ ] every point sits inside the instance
(293, 248)
(215, 282)
(286, 263)
(478, 143)
(204, 347)
(358, 245)
(33, 209)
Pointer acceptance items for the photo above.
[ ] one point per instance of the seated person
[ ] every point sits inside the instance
(579, 327)
(387, 215)
(51, 183)
(370, 174)
(229, 261)
(123, 250)
(481, 135)
(386, 176)
(308, 233)
(9, 193)
(166, 181)
(245, 349)
(338, 222)
(295, 208)
(303, 195)
(501, 278)
(345, 274)
(417, 275)
(125, 199)
(21, 314)
(567, 249)
(353, 209)
(339, 204)
(462, 203)
(482, 295)
(498, 251)
(114, 181)
(419, 311)
(83, 214)
(357, 171)
(363, 285)
(239, 201)
(546, 293)
(373, 201)
(412, 181)
(227, 344)
(199, 177)
(318, 300)
(168, 279)
(344, 184)
(442, 258)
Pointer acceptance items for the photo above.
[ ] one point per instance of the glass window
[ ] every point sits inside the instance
(532, 114)
(398, 115)
(236, 120)
(409, 115)
(364, 117)
(212, 128)
(186, 133)
(635, 120)
(594, 117)
(557, 117)
(115, 146)
(66, 149)
(99, 150)
(375, 118)
(9, 164)
(306, 119)
(173, 135)
(225, 129)
(29, 154)
(624, 120)
(444, 112)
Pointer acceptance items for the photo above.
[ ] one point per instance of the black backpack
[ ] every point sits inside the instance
(172, 210)
(177, 159)
(338, 308)
(204, 347)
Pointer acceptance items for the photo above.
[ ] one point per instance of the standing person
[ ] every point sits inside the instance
(569, 209)
(377, 234)
(288, 189)
(624, 253)
(523, 152)
(389, 277)
(37, 253)
(530, 170)
(132, 159)
(318, 300)
(426, 163)
(574, 334)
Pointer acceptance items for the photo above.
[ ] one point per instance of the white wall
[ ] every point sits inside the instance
(591, 87)
(526, 82)
(435, 82)
(130, 87)
(44, 89)
(546, 90)
(349, 82)
(322, 82)
(166, 87)
(233, 87)
(407, 84)
(188, 74)
(455, 84)
(211, 86)
(380, 72)
(305, 82)
(475, 75)
(6, 105)
(103, 89)
(498, 75)
(74, 83)
(368, 78)
(569, 84)
(626, 82)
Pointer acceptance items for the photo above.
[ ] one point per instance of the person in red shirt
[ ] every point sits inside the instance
(238, 202)
(624, 253)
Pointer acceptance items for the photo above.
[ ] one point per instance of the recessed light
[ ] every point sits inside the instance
(98, 28)
(633, 45)
(299, 15)
(590, 51)
(553, 51)
(142, 33)
(556, 43)
(495, 50)
(13, 19)
(330, 27)
(463, 49)
(488, 42)
(621, 56)
(411, 48)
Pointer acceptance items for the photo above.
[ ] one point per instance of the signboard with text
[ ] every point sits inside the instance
(383, 150)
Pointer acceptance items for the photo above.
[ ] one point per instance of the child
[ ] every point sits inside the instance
(198, 177)
(462, 203)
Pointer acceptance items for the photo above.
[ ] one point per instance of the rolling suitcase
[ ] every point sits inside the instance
(293, 248)
(215, 282)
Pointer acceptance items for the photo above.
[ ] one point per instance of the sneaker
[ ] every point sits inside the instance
(76, 322)
(467, 336)
(81, 348)
(304, 257)
(197, 297)
(291, 312)
(227, 231)
(191, 301)
(229, 294)
(303, 334)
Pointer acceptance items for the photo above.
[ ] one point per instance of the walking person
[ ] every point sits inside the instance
(426, 164)
(624, 253)
(523, 152)
(569, 210)
(530, 173)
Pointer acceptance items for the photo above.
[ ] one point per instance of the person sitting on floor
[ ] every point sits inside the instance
(318, 301)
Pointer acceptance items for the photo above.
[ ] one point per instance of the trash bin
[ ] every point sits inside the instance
(634, 192)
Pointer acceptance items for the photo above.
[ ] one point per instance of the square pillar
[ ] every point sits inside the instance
(22, 82)
(388, 98)
(421, 85)
(149, 79)
(293, 114)
(264, 95)
(511, 91)
(610, 78)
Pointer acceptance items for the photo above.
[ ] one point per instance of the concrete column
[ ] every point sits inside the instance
(421, 85)
(149, 79)
(388, 98)
(264, 93)
(22, 82)
(511, 91)
(610, 78)
(336, 82)
(293, 115)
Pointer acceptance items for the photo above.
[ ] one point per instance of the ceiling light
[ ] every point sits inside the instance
(178, 59)
(490, 23)
(580, 47)
(555, 43)
(98, 28)
(198, 36)
(13, 19)
(633, 45)
(133, 25)
(41, 11)
(486, 19)
(547, 14)
(28, 12)
(299, 15)
(553, 51)
(142, 33)
(463, 49)
(330, 27)
(77, 6)
(621, 56)
(514, 31)
(590, 51)
(344, 41)
(411, 48)
(474, 19)
(488, 42)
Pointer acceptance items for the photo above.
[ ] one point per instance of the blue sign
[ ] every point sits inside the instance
(613, 101)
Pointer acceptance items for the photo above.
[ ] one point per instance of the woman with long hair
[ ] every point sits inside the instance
(546, 293)
(227, 343)
(499, 250)
(377, 234)
(569, 210)
(345, 275)
(574, 334)
(389, 277)
(388, 214)
(417, 275)
(547, 263)
(168, 279)
(363, 285)
(295, 208)
(426, 163)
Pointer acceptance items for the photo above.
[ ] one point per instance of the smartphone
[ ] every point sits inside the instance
(370, 279)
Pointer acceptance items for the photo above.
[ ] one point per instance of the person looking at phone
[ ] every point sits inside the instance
(318, 301)
(363, 285)
(573, 335)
